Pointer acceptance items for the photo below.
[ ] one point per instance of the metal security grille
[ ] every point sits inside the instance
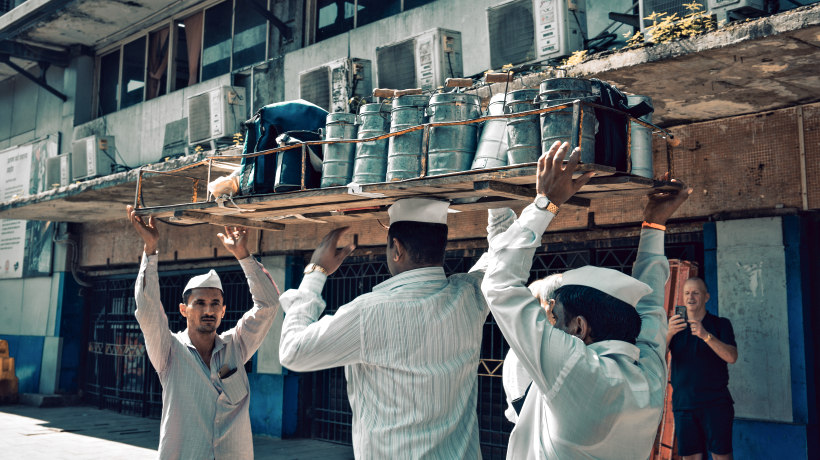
(329, 410)
(118, 373)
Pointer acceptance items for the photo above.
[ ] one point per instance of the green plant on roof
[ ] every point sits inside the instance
(576, 58)
(667, 27)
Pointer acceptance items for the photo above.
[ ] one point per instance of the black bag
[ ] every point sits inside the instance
(260, 174)
(289, 162)
(610, 140)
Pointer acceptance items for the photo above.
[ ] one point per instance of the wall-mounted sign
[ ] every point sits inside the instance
(25, 246)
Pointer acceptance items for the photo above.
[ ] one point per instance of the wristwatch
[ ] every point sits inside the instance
(544, 203)
(311, 267)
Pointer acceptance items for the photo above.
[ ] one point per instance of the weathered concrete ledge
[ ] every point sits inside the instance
(748, 67)
(94, 199)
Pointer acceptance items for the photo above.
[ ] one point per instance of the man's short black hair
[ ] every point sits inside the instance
(609, 318)
(425, 242)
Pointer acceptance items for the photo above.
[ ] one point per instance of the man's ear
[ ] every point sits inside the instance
(398, 250)
(224, 307)
(182, 309)
(582, 330)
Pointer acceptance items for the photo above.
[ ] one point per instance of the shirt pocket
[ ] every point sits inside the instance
(235, 388)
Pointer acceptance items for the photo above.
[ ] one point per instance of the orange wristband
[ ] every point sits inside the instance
(660, 227)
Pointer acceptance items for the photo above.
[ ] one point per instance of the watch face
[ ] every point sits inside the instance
(541, 202)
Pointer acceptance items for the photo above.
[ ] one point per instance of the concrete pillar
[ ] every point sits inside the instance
(267, 380)
(752, 294)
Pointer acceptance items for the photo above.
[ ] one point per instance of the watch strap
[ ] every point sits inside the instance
(550, 206)
(311, 267)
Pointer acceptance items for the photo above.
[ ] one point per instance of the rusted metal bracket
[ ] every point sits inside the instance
(41, 81)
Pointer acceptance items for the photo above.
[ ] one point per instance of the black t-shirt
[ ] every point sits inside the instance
(699, 376)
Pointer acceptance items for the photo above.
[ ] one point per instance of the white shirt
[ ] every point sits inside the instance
(410, 349)
(515, 380)
(204, 416)
(598, 401)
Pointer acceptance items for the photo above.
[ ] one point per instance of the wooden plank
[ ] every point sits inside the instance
(512, 191)
(357, 207)
(468, 190)
(228, 220)
(517, 192)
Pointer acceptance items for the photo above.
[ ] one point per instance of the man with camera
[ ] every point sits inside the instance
(701, 345)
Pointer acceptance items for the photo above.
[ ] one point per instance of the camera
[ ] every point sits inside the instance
(681, 310)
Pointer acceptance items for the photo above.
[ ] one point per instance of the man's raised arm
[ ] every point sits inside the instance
(254, 325)
(150, 314)
(652, 268)
(307, 342)
(542, 349)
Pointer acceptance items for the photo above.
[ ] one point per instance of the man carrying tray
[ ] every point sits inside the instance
(205, 390)
(597, 362)
(410, 347)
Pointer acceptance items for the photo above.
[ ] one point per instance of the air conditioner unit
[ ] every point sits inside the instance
(647, 7)
(92, 156)
(215, 114)
(526, 31)
(332, 85)
(58, 171)
(422, 61)
(727, 10)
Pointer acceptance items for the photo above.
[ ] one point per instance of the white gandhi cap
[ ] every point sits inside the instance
(419, 210)
(619, 285)
(207, 280)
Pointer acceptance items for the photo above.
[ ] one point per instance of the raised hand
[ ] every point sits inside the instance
(697, 329)
(148, 231)
(327, 256)
(676, 324)
(553, 179)
(662, 205)
(235, 240)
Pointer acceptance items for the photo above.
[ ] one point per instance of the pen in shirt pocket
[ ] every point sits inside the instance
(225, 371)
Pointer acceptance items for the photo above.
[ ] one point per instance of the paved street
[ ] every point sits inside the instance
(84, 432)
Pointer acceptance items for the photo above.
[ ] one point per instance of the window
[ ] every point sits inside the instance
(186, 51)
(368, 11)
(183, 51)
(157, 64)
(109, 79)
(334, 17)
(216, 41)
(133, 73)
(249, 30)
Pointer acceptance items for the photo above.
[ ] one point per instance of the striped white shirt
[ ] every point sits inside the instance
(203, 416)
(602, 400)
(410, 350)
